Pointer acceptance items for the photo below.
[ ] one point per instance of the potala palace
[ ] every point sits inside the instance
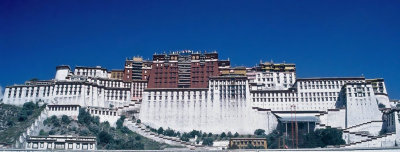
(189, 90)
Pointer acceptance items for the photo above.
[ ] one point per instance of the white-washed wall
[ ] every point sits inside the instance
(197, 109)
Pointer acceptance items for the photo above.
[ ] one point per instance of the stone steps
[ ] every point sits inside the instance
(142, 130)
(369, 139)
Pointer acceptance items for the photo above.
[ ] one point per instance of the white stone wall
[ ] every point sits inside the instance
(96, 92)
(335, 119)
(137, 89)
(62, 73)
(105, 114)
(274, 80)
(361, 104)
(307, 95)
(215, 110)
(69, 110)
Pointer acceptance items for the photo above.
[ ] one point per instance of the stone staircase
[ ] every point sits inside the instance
(175, 141)
(320, 125)
(32, 130)
(371, 141)
(356, 137)
(355, 127)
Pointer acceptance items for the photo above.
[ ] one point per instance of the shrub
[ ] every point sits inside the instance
(105, 137)
(138, 138)
(10, 123)
(84, 132)
(208, 141)
(29, 106)
(323, 137)
(125, 130)
(120, 122)
(185, 137)
(380, 105)
(194, 133)
(204, 135)
(138, 121)
(160, 130)
(52, 132)
(65, 119)
(54, 120)
(94, 128)
(96, 120)
(22, 116)
(169, 132)
(43, 133)
(84, 117)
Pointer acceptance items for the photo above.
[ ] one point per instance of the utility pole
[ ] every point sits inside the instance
(297, 128)
(294, 126)
(268, 113)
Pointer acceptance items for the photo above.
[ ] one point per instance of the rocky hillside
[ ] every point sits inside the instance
(108, 137)
(15, 120)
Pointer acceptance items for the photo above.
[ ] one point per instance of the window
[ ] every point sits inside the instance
(85, 146)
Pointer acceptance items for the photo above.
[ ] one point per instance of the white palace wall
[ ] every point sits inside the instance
(217, 109)
(202, 114)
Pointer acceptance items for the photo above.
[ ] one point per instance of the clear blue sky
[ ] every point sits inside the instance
(324, 38)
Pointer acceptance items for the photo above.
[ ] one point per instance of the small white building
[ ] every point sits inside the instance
(56, 142)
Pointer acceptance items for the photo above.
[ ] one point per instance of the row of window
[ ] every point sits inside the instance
(295, 99)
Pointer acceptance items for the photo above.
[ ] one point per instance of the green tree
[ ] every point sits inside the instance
(223, 135)
(120, 122)
(169, 132)
(185, 137)
(272, 139)
(259, 132)
(229, 134)
(208, 141)
(160, 130)
(331, 136)
(52, 132)
(84, 117)
(43, 133)
(204, 135)
(105, 137)
(84, 132)
(312, 140)
(236, 134)
(54, 120)
(65, 119)
(323, 138)
(10, 123)
(194, 133)
(22, 116)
